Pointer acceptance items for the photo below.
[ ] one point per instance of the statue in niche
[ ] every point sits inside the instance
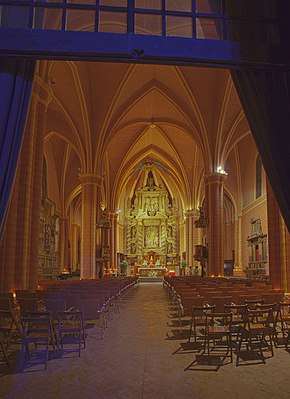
(151, 207)
(47, 237)
(133, 232)
(151, 237)
(150, 183)
(133, 248)
(169, 231)
(169, 248)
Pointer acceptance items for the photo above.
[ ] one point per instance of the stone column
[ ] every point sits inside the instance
(19, 249)
(74, 246)
(276, 243)
(89, 184)
(63, 244)
(106, 243)
(113, 240)
(189, 214)
(238, 269)
(214, 204)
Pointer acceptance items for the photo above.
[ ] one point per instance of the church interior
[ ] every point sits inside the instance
(143, 190)
(139, 164)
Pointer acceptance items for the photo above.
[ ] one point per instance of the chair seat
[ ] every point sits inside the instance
(218, 330)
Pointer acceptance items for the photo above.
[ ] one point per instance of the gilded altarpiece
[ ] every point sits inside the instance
(151, 225)
(48, 240)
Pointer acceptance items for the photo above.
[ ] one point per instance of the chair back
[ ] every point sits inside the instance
(55, 306)
(238, 313)
(7, 295)
(6, 304)
(259, 317)
(25, 294)
(28, 305)
(220, 302)
(202, 311)
(252, 303)
(90, 307)
(273, 297)
(42, 294)
(218, 319)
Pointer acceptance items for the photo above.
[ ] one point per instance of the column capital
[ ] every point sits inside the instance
(211, 178)
(190, 213)
(90, 178)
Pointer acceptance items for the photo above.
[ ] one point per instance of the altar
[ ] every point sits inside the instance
(144, 271)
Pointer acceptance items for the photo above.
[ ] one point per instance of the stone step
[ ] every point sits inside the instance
(145, 279)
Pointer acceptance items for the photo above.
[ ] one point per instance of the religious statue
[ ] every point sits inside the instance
(124, 265)
(144, 263)
(151, 183)
(133, 248)
(169, 248)
(151, 207)
(151, 237)
(133, 231)
(183, 266)
(157, 262)
(47, 234)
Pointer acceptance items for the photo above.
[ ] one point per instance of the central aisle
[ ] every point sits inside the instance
(141, 358)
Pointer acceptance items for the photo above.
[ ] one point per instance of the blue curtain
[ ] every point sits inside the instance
(265, 94)
(16, 78)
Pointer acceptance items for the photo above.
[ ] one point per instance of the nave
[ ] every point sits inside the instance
(141, 357)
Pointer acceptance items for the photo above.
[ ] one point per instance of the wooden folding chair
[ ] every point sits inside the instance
(36, 330)
(9, 320)
(217, 327)
(70, 330)
(238, 318)
(283, 322)
(257, 328)
(93, 312)
(198, 322)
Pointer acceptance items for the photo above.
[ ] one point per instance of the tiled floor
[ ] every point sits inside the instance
(142, 357)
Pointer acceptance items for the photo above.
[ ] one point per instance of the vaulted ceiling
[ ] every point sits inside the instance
(106, 118)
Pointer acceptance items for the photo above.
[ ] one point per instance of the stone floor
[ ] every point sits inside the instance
(143, 357)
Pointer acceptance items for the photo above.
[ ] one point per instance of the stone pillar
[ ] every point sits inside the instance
(238, 269)
(276, 244)
(189, 214)
(63, 244)
(19, 249)
(214, 204)
(75, 228)
(106, 244)
(113, 240)
(89, 184)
